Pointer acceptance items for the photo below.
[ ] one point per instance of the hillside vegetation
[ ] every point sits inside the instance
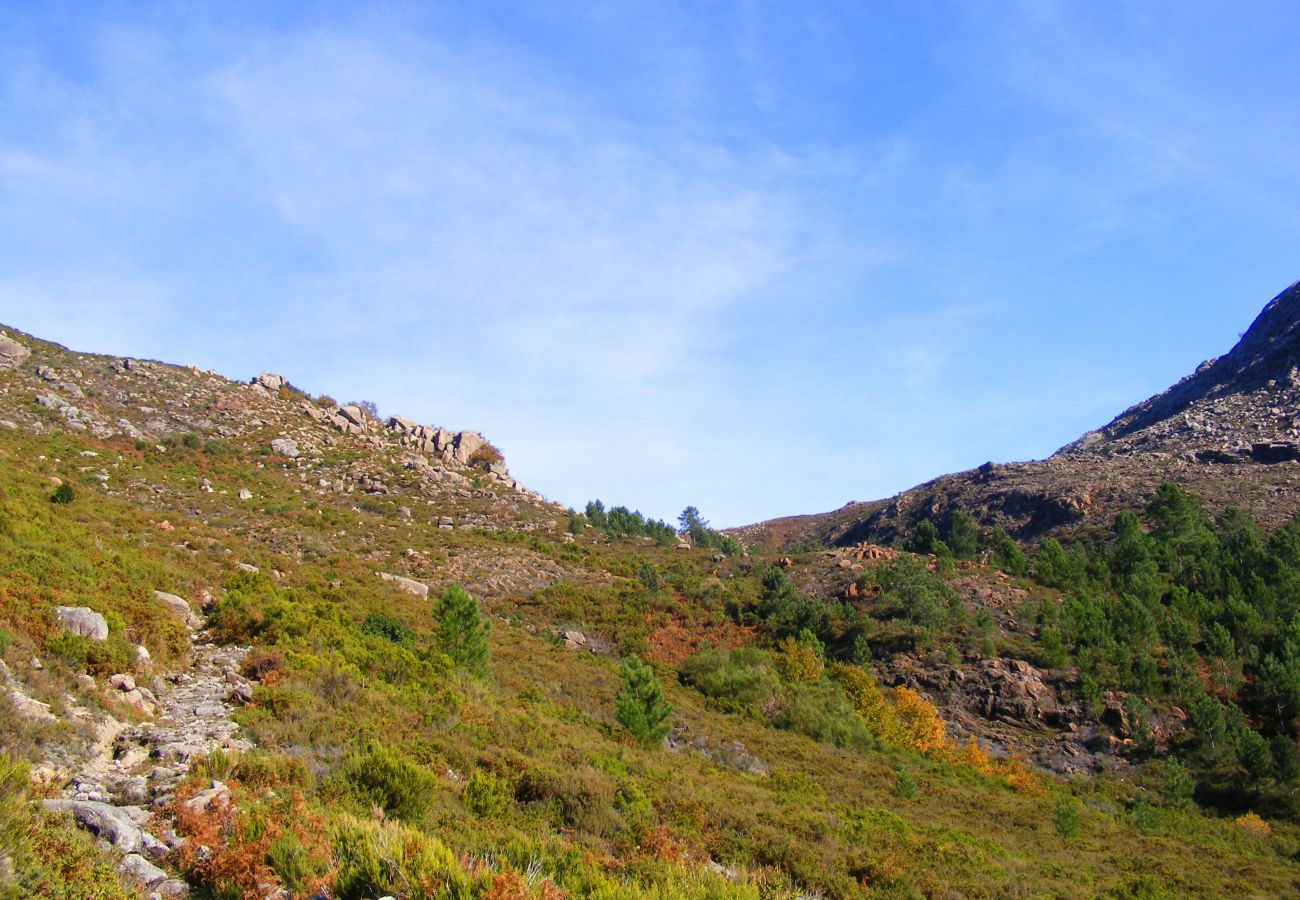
(540, 702)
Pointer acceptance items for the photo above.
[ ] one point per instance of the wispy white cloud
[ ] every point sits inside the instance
(793, 259)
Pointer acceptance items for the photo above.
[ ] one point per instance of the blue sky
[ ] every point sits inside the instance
(759, 258)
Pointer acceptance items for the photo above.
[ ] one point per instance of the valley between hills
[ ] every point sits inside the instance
(262, 644)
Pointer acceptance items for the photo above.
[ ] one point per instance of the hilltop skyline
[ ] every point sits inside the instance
(757, 261)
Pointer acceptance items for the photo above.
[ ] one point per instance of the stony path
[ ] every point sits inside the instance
(133, 770)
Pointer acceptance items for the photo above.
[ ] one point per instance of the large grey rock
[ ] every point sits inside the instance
(179, 608)
(140, 871)
(12, 353)
(466, 443)
(111, 823)
(83, 621)
(171, 888)
(203, 801)
(286, 447)
(270, 381)
(353, 414)
(410, 585)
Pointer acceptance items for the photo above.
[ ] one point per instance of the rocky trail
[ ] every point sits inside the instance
(129, 778)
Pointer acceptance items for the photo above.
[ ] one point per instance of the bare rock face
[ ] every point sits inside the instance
(83, 621)
(12, 353)
(466, 443)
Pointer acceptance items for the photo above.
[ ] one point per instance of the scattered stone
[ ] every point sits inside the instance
(247, 567)
(466, 443)
(245, 494)
(352, 414)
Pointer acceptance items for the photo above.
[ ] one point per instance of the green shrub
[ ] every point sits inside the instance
(96, 657)
(823, 713)
(263, 769)
(1177, 785)
(385, 626)
(1065, 816)
(640, 706)
(219, 447)
(582, 797)
(295, 865)
(904, 785)
(738, 681)
(380, 776)
(216, 765)
(1143, 813)
(387, 858)
(63, 494)
(485, 795)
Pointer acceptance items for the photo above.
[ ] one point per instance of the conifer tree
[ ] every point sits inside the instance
(640, 706)
(462, 633)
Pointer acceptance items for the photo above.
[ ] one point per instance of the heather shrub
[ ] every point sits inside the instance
(485, 795)
(737, 681)
(1065, 816)
(379, 776)
(485, 457)
(385, 626)
(377, 859)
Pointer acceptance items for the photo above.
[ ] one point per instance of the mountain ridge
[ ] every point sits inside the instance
(1229, 432)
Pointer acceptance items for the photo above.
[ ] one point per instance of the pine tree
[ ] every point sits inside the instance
(926, 540)
(462, 633)
(640, 706)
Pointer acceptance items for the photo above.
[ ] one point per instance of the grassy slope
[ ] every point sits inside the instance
(542, 726)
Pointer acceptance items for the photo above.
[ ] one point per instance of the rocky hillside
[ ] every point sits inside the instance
(1229, 434)
(258, 644)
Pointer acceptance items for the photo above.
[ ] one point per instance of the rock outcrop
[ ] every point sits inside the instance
(12, 353)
